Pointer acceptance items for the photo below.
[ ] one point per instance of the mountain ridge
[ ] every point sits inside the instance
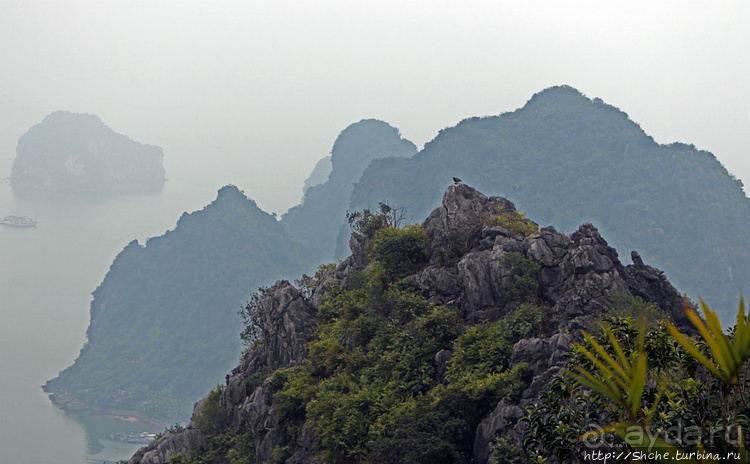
(164, 320)
(475, 262)
(567, 159)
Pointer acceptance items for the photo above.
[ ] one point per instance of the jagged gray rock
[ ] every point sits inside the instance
(504, 417)
(544, 357)
(287, 321)
(455, 227)
(171, 443)
(577, 277)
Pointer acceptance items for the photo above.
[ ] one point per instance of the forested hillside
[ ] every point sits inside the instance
(164, 326)
(565, 159)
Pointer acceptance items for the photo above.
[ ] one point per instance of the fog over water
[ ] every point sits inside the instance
(46, 279)
(254, 93)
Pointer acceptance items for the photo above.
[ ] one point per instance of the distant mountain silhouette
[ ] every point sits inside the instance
(319, 174)
(164, 327)
(565, 159)
(69, 152)
(318, 220)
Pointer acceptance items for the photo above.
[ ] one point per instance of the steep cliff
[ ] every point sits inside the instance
(69, 152)
(164, 324)
(364, 364)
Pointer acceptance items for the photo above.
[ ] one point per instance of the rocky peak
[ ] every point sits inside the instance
(574, 277)
(287, 321)
(456, 226)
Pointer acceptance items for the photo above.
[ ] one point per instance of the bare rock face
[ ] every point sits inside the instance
(287, 321)
(545, 358)
(455, 227)
(170, 444)
(70, 152)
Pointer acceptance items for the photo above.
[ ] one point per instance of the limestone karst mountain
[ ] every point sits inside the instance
(321, 217)
(344, 361)
(319, 174)
(164, 326)
(69, 152)
(565, 159)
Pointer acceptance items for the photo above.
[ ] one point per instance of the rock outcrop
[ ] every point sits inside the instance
(577, 276)
(70, 152)
(287, 320)
(170, 444)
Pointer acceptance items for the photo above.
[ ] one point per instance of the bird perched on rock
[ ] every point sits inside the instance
(456, 180)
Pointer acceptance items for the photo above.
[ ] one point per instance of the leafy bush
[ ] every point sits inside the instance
(526, 273)
(211, 419)
(367, 223)
(504, 451)
(251, 334)
(485, 348)
(292, 389)
(401, 251)
(629, 390)
(625, 305)
(280, 455)
(514, 222)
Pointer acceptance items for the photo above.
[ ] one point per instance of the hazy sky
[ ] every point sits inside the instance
(253, 92)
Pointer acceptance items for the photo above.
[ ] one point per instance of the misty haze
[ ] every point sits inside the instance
(253, 205)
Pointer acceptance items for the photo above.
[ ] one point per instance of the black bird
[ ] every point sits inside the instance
(456, 180)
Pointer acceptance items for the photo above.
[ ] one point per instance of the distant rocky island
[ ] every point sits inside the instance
(70, 152)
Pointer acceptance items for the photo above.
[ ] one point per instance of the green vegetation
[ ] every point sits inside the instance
(515, 222)
(526, 273)
(251, 334)
(370, 389)
(634, 307)
(485, 348)
(401, 251)
(367, 223)
(164, 321)
(637, 390)
(565, 159)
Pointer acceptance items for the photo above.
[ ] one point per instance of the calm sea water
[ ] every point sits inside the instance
(47, 275)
